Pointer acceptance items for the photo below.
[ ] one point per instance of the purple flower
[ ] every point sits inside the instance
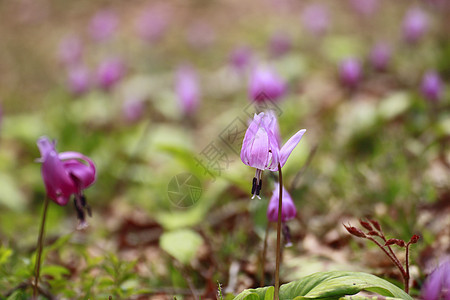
(266, 84)
(350, 72)
(261, 147)
(187, 89)
(78, 80)
(437, 285)
(280, 44)
(133, 110)
(432, 86)
(380, 56)
(153, 22)
(415, 25)
(70, 51)
(365, 7)
(103, 25)
(63, 173)
(315, 19)
(288, 210)
(240, 57)
(110, 72)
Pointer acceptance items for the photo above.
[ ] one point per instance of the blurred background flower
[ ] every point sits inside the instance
(350, 72)
(103, 25)
(415, 25)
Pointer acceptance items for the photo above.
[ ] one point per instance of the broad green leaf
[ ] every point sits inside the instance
(367, 298)
(336, 284)
(181, 244)
(330, 285)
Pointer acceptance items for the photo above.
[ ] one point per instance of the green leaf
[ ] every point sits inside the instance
(336, 284)
(181, 244)
(367, 298)
(330, 285)
(5, 254)
(55, 271)
(256, 294)
(17, 295)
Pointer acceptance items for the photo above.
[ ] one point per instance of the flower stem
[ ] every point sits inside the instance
(278, 259)
(263, 256)
(39, 248)
(395, 260)
(407, 269)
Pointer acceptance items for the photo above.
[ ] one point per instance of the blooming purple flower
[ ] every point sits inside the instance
(240, 57)
(103, 25)
(266, 84)
(110, 72)
(415, 25)
(315, 19)
(280, 44)
(350, 72)
(288, 210)
(65, 175)
(432, 86)
(70, 50)
(437, 285)
(153, 22)
(187, 89)
(78, 80)
(261, 147)
(365, 7)
(380, 56)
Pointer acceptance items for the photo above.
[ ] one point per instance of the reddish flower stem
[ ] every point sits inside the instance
(39, 248)
(395, 260)
(407, 269)
(278, 259)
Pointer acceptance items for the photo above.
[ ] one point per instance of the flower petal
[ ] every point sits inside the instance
(289, 146)
(249, 138)
(58, 184)
(259, 151)
(86, 174)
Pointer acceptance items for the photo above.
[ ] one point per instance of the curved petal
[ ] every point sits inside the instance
(271, 122)
(58, 184)
(85, 175)
(259, 152)
(249, 138)
(288, 209)
(45, 147)
(272, 165)
(289, 146)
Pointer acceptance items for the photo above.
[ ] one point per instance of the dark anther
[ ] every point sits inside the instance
(287, 235)
(85, 205)
(83, 200)
(258, 189)
(80, 211)
(254, 185)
